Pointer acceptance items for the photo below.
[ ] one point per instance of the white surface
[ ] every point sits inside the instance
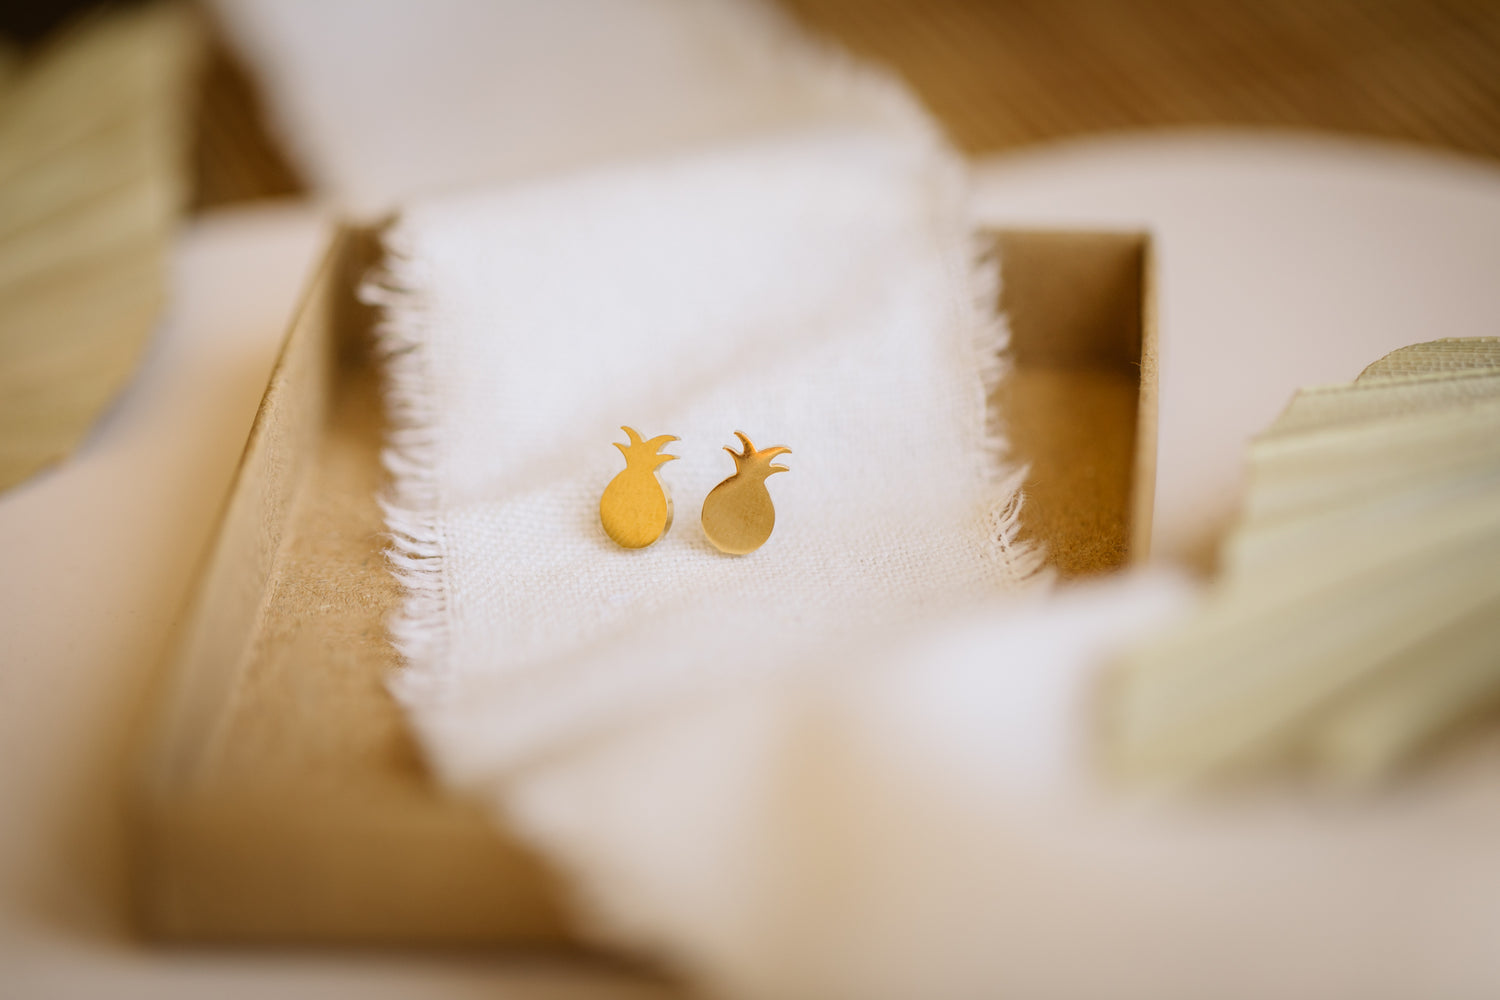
(99, 553)
(1283, 261)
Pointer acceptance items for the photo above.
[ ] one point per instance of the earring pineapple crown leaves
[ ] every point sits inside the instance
(643, 454)
(751, 461)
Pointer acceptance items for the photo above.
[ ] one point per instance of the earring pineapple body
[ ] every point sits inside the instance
(738, 515)
(635, 510)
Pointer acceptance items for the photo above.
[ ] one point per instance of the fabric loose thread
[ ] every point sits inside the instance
(413, 497)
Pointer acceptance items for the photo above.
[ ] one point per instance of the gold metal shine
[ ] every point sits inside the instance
(737, 514)
(635, 510)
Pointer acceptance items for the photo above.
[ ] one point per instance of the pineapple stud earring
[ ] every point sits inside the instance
(634, 509)
(737, 514)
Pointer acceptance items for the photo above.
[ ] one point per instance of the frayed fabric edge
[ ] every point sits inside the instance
(1026, 558)
(412, 502)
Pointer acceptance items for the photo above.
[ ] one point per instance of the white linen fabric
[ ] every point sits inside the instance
(819, 290)
(382, 101)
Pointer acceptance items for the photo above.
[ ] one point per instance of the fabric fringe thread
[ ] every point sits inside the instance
(411, 502)
(1025, 557)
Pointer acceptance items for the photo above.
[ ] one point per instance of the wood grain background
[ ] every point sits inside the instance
(1003, 74)
(1007, 73)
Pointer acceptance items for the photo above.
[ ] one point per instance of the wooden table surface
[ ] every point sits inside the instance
(1007, 74)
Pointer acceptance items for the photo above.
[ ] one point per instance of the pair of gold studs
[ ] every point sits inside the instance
(737, 514)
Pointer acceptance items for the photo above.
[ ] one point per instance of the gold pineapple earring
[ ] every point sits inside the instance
(635, 510)
(737, 514)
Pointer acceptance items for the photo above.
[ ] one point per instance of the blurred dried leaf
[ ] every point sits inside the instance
(94, 134)
(1356, 623)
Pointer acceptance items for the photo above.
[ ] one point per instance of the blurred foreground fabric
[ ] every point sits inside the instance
(378, 102)
(927, 819)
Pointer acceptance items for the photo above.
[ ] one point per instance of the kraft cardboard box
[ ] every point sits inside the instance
(280, 797)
